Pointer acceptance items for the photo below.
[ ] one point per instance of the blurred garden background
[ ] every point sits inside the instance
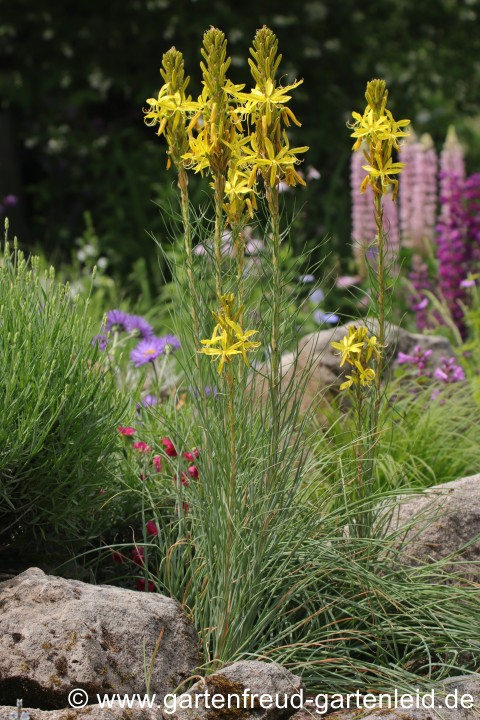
(80, 172)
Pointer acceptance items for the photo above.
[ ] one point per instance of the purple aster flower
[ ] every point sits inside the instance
(101, 341)
(307, 278)
(316, 297)
(147, 401)
(322, 317)
(117, 320)
(172, 343)
(138, 324)
(147, 350)
(150, 348)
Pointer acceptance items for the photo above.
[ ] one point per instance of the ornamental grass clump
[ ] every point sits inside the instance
(59, 412)
(247, 540)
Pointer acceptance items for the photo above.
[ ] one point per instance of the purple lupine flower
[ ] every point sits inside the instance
(421, 282)
(138, 325)
(417, 360)
(147, 350)
(117, 320)
(363, 216)
(418, 192)
(449, 372)
(10, 201)
(390, 224)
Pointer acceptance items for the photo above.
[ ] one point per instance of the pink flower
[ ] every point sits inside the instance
(191, 455)
(127, 431)
(193, 471)
(152, 528)
(184, 480)
(118, 558)
(169, 447)
(185, 507)
(157, 461)
(138, 556)
(142, 447)
(141, 585)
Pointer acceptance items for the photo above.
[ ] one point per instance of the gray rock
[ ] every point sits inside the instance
(56, 635)
(466, 687)
(446, 519)
(259, 678)
(91, 712)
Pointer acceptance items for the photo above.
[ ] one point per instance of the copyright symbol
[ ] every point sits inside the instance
(78, 698)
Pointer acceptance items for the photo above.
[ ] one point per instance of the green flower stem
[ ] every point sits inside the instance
(231, 496)
(381, 293)
(272, 199)
(183, 187)
(219, 187)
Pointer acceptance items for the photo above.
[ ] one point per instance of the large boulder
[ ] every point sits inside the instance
(57, 635)
(255, 679)
(442, 521)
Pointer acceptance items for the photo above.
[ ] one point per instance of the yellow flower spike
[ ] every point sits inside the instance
(228, 338)
(357, 348)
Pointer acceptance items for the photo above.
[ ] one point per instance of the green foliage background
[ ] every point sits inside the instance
(76, 75)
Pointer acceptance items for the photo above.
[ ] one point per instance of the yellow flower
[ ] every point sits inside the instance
(368, 127)
(265, 99)
(228, 338)
(348, 345)
(276, 164)
(383, 171)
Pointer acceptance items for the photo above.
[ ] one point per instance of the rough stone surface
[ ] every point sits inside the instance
(447, 518)
(258, 677)
(56, 635)
(465, 685)
(91, 712)
(320, 362)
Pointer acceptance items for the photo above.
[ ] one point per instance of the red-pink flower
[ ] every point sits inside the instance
(152, 528)
(118, 558)
(184, 480)
(141, 585)
(157, 461)
(142, 447)
(169, 447)
(127, 431)
(185, 507)
(138, 556)
(191, 455)
(193, 470)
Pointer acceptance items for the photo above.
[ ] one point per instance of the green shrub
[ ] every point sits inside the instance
(59, 409)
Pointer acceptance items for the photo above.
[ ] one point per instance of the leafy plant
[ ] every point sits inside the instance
(59, 410)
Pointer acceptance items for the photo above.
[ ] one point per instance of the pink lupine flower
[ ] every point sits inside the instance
(363, 216)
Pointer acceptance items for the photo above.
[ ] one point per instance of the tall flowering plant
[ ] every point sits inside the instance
(237, 138)
(377, 134)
